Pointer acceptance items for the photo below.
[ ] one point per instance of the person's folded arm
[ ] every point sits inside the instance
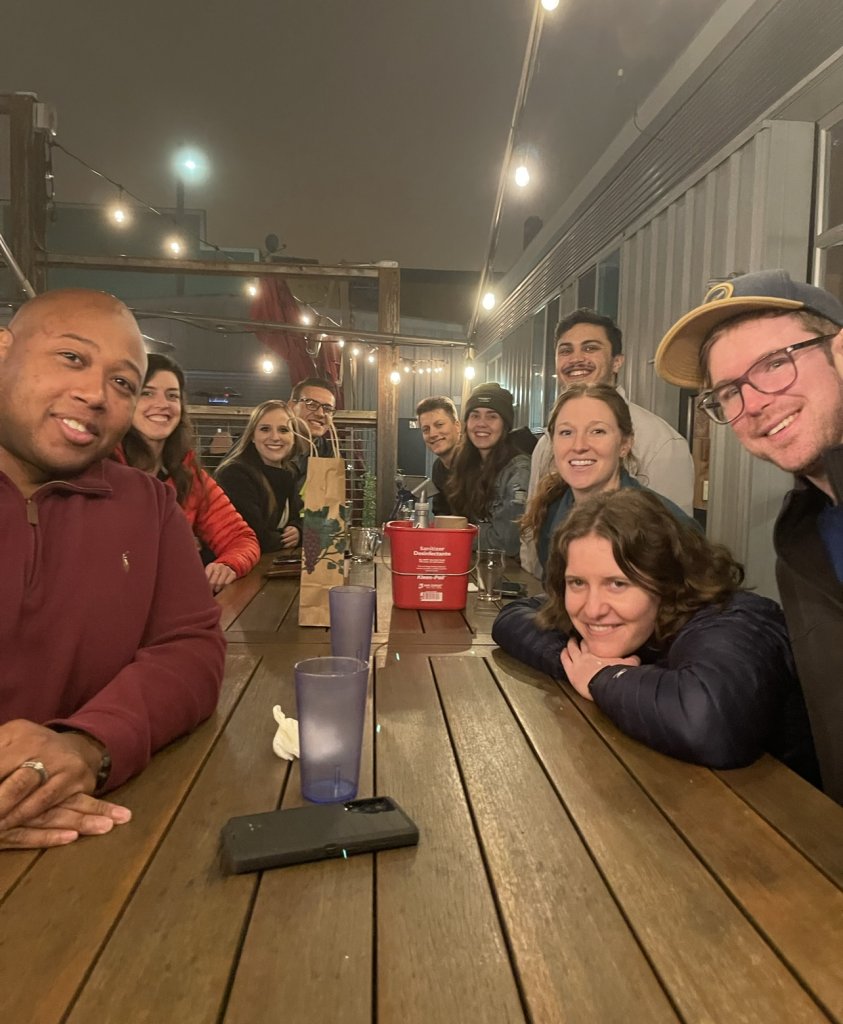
(248, 497)
(221, 528)
(713, 700)
(516, 632)
(173, 682)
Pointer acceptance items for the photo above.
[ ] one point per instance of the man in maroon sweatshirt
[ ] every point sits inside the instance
(109, 637)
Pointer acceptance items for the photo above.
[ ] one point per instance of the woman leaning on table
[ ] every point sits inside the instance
(259, 477)
(647, 618)
(160, 441)
(489, 476)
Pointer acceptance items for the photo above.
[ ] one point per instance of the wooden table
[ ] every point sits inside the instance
(564, 873)
(266, 610)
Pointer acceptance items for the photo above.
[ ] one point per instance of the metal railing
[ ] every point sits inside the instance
(216, 429)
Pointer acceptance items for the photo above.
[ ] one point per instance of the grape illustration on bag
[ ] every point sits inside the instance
(320, 537)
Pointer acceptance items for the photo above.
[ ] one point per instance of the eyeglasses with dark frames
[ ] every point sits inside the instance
(769, 375)
(313, 405)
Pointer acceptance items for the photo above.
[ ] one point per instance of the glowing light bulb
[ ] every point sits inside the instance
(407, 368)
(550, 5)
(305, 318)
(470, 372)
(488, 300)
(252, 289)
(267, 365)
(355, 351)
(341, 342)
(174, 246)
(119, 215)
(370, 358)
(395, 377)
(522, 176)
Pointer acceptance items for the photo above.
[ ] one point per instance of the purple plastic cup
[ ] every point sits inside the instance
(352, 619)
(331, 707)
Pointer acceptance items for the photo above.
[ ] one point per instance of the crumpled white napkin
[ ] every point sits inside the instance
(286, 741)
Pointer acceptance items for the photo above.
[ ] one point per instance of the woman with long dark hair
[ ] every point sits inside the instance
(489, 476)
(259, 477)
(591, 432)
(647, 618)
(160, 441)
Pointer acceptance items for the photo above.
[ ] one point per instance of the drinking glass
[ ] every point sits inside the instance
(490, 566)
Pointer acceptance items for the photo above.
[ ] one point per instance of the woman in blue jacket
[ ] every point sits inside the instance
(647, 618)
(590, 429)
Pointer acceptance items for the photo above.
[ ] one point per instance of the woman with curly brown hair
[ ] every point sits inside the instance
(647, 618)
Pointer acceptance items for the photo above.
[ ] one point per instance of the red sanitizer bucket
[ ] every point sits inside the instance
(430, 567)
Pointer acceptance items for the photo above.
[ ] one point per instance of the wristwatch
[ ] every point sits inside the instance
(104, 769)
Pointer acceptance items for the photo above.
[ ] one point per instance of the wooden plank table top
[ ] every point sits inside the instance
(564, 873)
(266, 610)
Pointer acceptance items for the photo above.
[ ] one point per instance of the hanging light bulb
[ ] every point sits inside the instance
(371, 358)
(341, 342)
(469, 370)
(118, 212)
(251, 289)
(550, 5)
(522, 176)
(355, 351)
(407, 368)
(488, 300)
(306, 318)
(267, 365)
(174, 246)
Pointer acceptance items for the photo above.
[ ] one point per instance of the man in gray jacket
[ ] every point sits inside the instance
(589, 351)
(764, 347)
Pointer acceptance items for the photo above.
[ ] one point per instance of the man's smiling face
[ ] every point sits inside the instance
(584, 356)
(71, 367)
(793, 428)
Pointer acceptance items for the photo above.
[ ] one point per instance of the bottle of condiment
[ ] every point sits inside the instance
(422, 512)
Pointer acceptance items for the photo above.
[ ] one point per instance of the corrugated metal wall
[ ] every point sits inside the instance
(752, 210)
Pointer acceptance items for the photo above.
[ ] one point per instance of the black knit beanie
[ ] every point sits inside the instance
(491, 396)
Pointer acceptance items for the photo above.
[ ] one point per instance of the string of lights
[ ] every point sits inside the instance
(119, 213)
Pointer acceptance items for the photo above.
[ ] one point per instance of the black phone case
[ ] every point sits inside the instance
(277, 838)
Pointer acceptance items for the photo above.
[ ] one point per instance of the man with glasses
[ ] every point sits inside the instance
(313, 400)
(763, 348)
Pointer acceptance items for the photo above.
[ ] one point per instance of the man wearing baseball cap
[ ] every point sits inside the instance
(763, 349)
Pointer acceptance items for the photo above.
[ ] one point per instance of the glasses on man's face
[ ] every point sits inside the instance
(770, 375)
(315, 406)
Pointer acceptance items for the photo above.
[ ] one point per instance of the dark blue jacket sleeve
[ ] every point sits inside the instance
(716, 697)
(515, 630)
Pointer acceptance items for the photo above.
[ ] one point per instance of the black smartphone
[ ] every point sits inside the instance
(257, 841)
(509, 588)
(287, 560)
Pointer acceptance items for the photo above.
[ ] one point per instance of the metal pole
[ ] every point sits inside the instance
(389, 322)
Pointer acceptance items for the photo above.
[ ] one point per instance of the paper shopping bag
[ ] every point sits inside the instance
(323, 538)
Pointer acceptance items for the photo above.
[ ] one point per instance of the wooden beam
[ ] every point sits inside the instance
(223, 268)
(389, 322)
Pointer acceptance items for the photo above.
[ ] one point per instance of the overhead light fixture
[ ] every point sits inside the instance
(522, 176)
(488, 300)
(252, 289)
(174, 246)
(550, 5)
(267, 365)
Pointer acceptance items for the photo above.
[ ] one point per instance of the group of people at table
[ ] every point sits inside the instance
(109, 633)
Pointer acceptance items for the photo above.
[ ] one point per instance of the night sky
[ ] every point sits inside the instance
(353, 129)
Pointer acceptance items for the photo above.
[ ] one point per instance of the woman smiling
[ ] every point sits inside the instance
(647, 618)
(489, 476)
(160, 442)
(259, 478)
(590, 428)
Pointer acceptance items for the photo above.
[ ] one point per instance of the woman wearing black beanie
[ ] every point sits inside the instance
(489, 476)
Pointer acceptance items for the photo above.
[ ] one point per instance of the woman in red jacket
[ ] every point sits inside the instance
(160, 441)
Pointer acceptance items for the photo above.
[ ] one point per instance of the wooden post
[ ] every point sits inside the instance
(27, 169)
(389, 322)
